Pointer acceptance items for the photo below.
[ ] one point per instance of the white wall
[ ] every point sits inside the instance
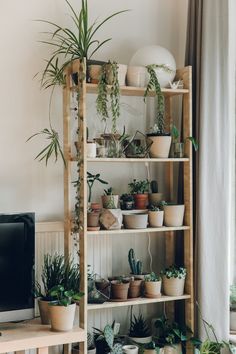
(26, 184)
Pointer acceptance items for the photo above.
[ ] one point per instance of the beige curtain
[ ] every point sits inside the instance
(209, 50)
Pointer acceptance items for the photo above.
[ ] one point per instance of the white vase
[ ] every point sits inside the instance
(174, 215)
(136, 76)
(130, 349)
(173, 286)
(160, 147)
(140, 340)
(62, 317)
(155, 218)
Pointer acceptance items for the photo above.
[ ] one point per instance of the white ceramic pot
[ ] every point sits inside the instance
(122, 71)
(143, 340)
(155, 198)
(152, 288)
(174, 215)
(92, 351)
(110, 201)
(174, 349)
(136, 76)
(232, 320)
(160, 147)
(62, 317)
(173, 286)
(44, 311)
(118, 215)
(91, 149)
(135, 221)
(130, 349)
(155, 218)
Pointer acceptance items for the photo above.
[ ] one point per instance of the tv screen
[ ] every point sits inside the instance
(17, 239)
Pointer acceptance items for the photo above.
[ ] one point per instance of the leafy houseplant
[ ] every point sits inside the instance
(139, 330)
(161, 140)
(178, 147)
(152, 285)
(105, 340)
(110, 200)
(139, 189)
(155, 216)
(173, 280)
(127, 201)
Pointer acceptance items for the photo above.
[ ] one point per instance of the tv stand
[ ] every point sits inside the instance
(19, 337)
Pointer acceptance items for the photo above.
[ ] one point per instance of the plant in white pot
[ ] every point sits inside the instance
(152, 285)
(155, 216)
(173, 214)
(139, 331)
(62, 310)
(233, 307)
(161, 139)
(173, 279)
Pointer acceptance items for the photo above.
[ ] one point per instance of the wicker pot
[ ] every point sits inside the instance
(44, 311)
(135, 287)
(173, 286)
(152, 288)
(119, 291)
(155, 218)
(174, 215)
(62, 317)
(140, 201)
(160, 147)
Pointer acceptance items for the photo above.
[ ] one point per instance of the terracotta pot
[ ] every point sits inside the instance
(119, 290)
(150, 351)
(95, 207)
(110, 201)
(44, 311)
(173, 286)
(155, 218)
(130, 349)
(174, 215)
(62, 317)
(143, 340)
(155, 198)
(135, 287)
(94, 72)
(93, 219)
(135, 221)
(152, 288)
(160, 147)
(140, 201)
(232, 320)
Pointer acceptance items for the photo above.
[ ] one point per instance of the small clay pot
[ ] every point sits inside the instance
(135, 287)
(173, 286)
(140, 201)
(152, 288)
(119, 290)
(93, 219)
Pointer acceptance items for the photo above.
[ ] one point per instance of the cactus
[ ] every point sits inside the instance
(109, 335)
(154, 186)
(117, 349)
(136, 266)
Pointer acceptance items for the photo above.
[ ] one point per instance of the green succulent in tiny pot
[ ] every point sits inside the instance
(174, 280)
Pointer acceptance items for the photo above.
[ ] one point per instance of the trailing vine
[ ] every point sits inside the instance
(102, 99)
(115, 96)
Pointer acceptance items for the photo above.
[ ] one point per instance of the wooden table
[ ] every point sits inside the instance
(20, 337)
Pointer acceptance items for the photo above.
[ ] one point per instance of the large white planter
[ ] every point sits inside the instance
(130, 349)
(173, 286)
(155, 218)
(160, 147)
(62, 317)
(91, 149)
(174, 215)
(152, 289)
(143, 340)
(136, 221)
(232, 320)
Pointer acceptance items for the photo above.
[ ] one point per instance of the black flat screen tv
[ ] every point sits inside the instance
(17, 250)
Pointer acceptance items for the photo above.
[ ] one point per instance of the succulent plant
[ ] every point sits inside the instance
(139, 327)
(174, 272)
(136, 265)
(152, 277)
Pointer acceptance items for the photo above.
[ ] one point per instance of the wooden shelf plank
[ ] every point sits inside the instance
(105, 159)
(16, 337)
(141, 301)
(138, 231)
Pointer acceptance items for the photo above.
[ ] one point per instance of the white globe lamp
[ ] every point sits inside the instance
(158, 55)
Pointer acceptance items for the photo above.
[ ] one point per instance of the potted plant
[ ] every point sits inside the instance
(161, 140)
(139, 189)
(119, 289)
(150, 348)
(154, 198)
(155, 216)
(137, 220)
(152, 285)
(173, 214)
(173, 279)
(136, 266)
(233, 307)
(109, 199)
(106, 341)
(139, 331)
(127, 201)
(171, 335)
(62, 310)
(177, 149)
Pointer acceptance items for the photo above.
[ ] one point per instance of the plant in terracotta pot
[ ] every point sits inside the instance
(152, 285)
(155, 216)
(154, 198)
(62, 309)
(173, 214)
(127, 201)
(139, 189)
(173, 279)
(177, 148)
(119, 289)
(139, 331)
(160, 138)
(109, 199)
